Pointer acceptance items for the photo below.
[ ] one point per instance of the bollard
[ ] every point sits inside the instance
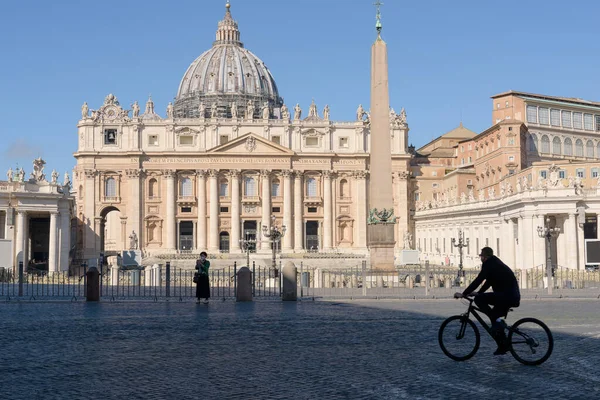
(168, 279)
(364, 277)
(20, 278)
(290, 282)
(244, 285)
(93, 284)
(426, 277)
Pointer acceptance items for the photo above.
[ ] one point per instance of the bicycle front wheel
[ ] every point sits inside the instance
(459, 338)
(531, 341)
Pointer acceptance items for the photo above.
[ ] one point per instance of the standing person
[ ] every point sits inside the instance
(505, 295)
(203, 285)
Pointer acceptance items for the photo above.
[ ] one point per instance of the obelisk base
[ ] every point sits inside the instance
(381, 246)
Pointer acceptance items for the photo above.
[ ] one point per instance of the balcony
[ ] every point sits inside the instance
(111, 199)
(313, 200)
(186, 200)
(248, 200)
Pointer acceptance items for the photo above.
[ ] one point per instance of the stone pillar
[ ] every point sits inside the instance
(134, 206)
(65, 239)
(540, 246)
(361, 209)
(298, 213)
(214, 210)
(528, 241)
(235, 212)
(89, 201)
(507, 241)
(21, 235)
(570, 234)
(290, 282)
(403, 207)
(170, 204)
(266, 208)
(287, 211)
(327, 242)
(201, 229)
(580, 247)
(53, 242)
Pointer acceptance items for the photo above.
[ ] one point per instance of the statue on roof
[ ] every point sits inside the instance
(213, 110)
(9, 175)
(21, 175)
(360, 113)
(84, 110)
(403, 116)
(54, 177)
(266, 113)
(297, 112)
(149, 106)
(285, 113)
(38, 170)
(312, 110)
(111, 99)
(170, 110)
(66, 180)
(234, 110)
(135, 108)
(326, 112)
(201, 110)
(250, 110)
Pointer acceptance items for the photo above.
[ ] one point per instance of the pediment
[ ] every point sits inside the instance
(251, 144)
(312, 132)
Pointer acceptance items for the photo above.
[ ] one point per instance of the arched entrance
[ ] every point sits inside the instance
(224, 242)
(111, 235)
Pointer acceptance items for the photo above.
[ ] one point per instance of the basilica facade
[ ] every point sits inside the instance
(228, 159)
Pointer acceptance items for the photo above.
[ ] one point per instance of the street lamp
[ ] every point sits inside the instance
(246, 245)
(462, 243)
(548, 233)
(274, 234)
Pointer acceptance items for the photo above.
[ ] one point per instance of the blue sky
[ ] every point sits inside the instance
(446, 58)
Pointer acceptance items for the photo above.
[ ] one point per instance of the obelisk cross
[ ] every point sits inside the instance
(378, 5)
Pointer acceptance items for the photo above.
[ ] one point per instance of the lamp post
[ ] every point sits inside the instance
(275, 234)
(246, 246)
(548, 233)
(460, 244)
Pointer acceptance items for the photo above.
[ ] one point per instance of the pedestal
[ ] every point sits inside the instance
(381, 246)
(409, 257)
(132, 258)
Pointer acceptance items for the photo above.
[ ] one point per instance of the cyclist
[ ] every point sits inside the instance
(505, 295)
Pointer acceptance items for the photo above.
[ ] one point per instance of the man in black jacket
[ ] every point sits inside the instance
(505, 294)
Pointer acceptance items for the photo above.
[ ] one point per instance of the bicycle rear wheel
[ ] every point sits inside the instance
(531, 341)
(459, 338)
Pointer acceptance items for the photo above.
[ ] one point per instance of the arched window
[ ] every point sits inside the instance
(223, 188)
(579, 148)
(152, 188)
(110, 188)
(556, 146)
(589, 149)
(186, 187)
(275, 188)
(249, 186)
(533, 144)
(152, 231)
(311, 187)
(344, 192)
(545, 144)
(568, 147)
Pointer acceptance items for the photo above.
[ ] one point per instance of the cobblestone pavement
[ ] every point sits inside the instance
(273, 350)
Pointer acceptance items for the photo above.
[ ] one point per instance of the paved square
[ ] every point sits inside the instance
(273, 350)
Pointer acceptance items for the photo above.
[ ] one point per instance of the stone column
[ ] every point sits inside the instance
(89, 201)
(508, 243)
(21, 235)
(266, 208)
(570, 234)
(361, 209)
(540, 246)
(213, 185)
(134, 206)
(65, 239)
(201, 229)
(580, 247)
(528, 242)
(53, 243)
(235, 211)
(287, 211)
(327, 242)
(171, 194)
(298, 212)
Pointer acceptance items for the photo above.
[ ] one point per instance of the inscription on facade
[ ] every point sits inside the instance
(212, 160)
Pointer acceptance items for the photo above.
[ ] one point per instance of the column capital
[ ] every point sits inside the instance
(213, 173)
(133, 173)
(90, 173)
(360, 174)
(169, 173)
(264, 173)
(53, 212)
(201, 173)
(286, 173)
(22, 212)
(299, 174)
(235, 173)
(328, 174)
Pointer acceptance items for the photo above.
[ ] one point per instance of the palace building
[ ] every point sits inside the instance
(228, 157)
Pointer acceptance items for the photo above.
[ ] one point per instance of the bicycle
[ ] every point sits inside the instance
(528, 338)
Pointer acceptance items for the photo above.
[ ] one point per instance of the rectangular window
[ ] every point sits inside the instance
(462, 160)
(562, 174)
(469, 146)
(511, 141)
(417, 196)
(594, 172)
(511, 171)
(470, 160)
(462, 149)
(186, 209)
(597, 123)
(588, 122)
(555, 117)
(224, 209)
(543, 116)
(153, 140)
(544, 174)
(224, 189)
(566, 119)
(435, 186)
(110, 136)
(186, 140)
(312, 141)
(276, 139)
(312, 210)
(223, 139)
(580, 173)
(343, 142)
(511, 158)
(276, 209)
(434, 173)
(577, 118)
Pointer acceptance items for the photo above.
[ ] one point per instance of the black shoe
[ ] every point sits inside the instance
(501, 350)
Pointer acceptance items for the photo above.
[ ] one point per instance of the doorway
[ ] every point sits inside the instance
(312, 235)
(250, 233)
(186, 235)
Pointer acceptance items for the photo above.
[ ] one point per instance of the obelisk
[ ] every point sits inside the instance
(381, 220)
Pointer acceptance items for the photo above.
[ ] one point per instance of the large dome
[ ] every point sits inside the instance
(226, 75)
